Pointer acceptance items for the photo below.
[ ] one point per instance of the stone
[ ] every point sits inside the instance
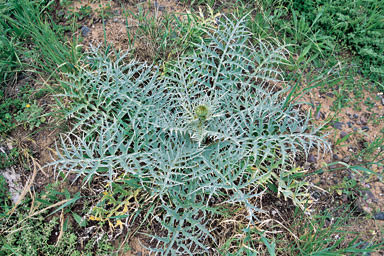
(379, 216)
(338, 125)
(363, 120)
(346, 159)
(14, 181)
(382, 101)
(365, 128)
(311, 159)
(355, 116)
(336, 157)
(343, 134)
(85, 31)
(350, 124)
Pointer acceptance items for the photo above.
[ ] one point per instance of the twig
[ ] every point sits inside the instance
(61, 227)
(26, 188)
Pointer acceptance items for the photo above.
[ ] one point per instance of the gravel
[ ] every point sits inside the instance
(379, 216)
(85, 31)
(338, 125)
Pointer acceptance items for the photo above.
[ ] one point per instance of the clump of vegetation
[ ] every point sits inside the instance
(357, 25)
(212, 131)
(25, 233)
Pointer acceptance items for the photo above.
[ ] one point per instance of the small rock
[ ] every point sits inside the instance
(365, 128)
(311, 159)
(14, 181)
(363, 120)
(369, 195)
(350, 124)
(336, 157)
(355, 129)
(85, 31)
(338, 125)
(159, 7)
(329, 94)
(346, 159)
(379, 216)
(355, 116)
(343, 134)
(382, 101)
(316, 195)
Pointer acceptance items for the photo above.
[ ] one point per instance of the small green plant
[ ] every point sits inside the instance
(326, 234)
(33, 40)
(357, 25)
(168, 35)
(5, 202)
(31, 116)
(8, 159)
(85, 11)
(33, 230)
(10, 107)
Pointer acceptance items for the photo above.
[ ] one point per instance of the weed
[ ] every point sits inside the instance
(168, 35)
(326, 234)
(5, 202)
(356, 24)
(201, 131)
(8, 159)
(85, 11)
(31, 116)
(27, 233)
(23, 23)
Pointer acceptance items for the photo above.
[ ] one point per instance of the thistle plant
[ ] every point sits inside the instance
(213, 130)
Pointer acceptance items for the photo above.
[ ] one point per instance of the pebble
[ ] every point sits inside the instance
(338, 125)
(355, 116)
(365, 128)
(379, 216)
(350, 124)
(85, 31)
(159, 7)
(369, 195)
(343, 134)
(382, 101)
(363, 120)
(316, 195)
(335, 157)
(346, 159)
(311, 159)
